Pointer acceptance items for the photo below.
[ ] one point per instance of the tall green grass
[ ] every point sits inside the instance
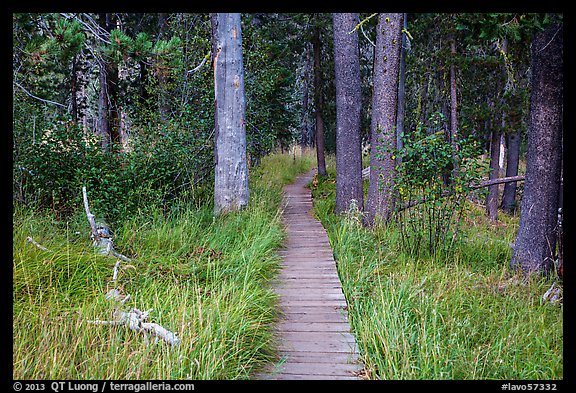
(205, 278)
(468, 317)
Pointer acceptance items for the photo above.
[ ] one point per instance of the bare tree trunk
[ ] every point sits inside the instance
(512, 160)
(535, 246)
(453, 98)
(492, 198)
(348, 113)
(319, 104)
(107, 117)
(231, 189)
(384, 101)
(512, 146)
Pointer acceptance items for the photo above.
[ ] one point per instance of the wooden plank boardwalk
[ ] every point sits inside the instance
(314, 339)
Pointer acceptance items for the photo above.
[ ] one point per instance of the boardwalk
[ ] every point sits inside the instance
(314, 338)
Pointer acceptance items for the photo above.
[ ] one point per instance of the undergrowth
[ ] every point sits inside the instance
(466, 317)
(205, 278)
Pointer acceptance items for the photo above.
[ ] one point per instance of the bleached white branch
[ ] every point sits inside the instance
(135, 320)
(35, 97)
(29, 239)
(199, 65)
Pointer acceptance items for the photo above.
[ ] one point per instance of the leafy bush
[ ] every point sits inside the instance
(433, 179)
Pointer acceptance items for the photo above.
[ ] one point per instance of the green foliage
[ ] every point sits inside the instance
(435, 176)
(269, 79)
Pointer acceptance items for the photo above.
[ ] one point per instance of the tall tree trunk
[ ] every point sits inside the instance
(512, 160)
(423, 98)
(107, 110)
(319, 104)
(453, 98)
(535, 246)
(492, 198)
(348, 113)
(305, 130)
(512, 144)
(384, 101)
(401, 92)
(231, 189)
(74, 89)
(163, 101)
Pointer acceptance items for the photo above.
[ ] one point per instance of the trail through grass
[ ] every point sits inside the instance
(205, 278)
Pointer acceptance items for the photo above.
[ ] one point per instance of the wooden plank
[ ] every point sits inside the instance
(287, 292)
(318, 357)
(316, 322)
(338, 369)
(318, 336)
(312, 330)
(318, 346)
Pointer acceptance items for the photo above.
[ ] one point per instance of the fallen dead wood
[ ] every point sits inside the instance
(30, 240)
(484, 183)
(100, 236)
(135, 319)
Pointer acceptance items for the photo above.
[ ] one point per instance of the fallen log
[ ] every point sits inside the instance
(100, 233)
(135, 319)
(30, 240)
(484, 183)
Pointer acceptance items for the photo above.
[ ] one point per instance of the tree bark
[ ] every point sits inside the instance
(305, 137)
(231, 189)
(384, 101)
(348, 113)
(319, 104)
(512, 160)
(401, 93)
(492, 198)
(535, 246)
(107, 111)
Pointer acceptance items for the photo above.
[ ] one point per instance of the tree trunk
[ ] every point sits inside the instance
(384, 101)
(107, 111)
(74, 89)
(163, 102)
(231, 190)
(492, 198)
(535, 246)
(348, 113)
(319, 104)
(512, 160)
(305, 139)
(453, 99)
(401, 93)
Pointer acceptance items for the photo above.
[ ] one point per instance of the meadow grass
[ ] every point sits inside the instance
(206, 279)
(465, 317)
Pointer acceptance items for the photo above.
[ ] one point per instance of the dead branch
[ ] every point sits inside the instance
(100, 233)
(484, 183)
(135, 320)
(29, 239)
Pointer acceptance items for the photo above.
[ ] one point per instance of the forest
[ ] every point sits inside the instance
(151, 157)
